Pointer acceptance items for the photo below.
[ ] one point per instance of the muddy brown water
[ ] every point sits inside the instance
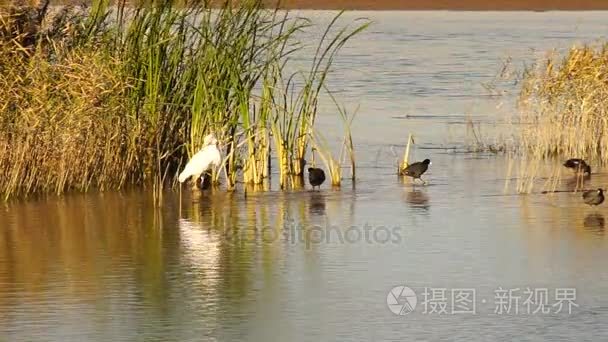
(323, 265)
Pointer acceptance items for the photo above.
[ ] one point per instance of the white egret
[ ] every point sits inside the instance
(208, 157)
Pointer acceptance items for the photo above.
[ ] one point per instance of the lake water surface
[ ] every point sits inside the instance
(320, 266)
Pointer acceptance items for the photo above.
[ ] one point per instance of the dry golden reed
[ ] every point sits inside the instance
(564, 106)
(562, 114)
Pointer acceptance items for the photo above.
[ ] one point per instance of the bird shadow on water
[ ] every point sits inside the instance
(595, 223)
(416, 184)
(316, 206)
(417, 199)
(206, 202)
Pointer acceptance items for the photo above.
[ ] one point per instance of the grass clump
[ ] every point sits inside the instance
(562, 114)
(57, 135)
(564, 106)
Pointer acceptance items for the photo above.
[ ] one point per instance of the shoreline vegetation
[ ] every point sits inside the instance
(104, 97)
(564, 104)
(109, 96)
(414, 5)
(562, 113)
(450, 5)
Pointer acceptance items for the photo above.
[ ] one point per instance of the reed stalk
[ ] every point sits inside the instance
(406, 155)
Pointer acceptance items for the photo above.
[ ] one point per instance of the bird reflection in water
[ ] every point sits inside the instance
(317, 204)
(201, 250)
(417, 199)
(595, 223)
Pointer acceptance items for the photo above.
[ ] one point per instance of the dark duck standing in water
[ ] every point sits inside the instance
(593, 197)
(316, 176)
(578, 166)
(416, 170)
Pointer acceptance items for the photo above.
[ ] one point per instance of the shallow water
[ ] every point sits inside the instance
(303, 265)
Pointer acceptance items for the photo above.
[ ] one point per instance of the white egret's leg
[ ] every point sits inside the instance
(194, 179)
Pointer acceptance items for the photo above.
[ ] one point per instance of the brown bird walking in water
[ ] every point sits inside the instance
(416, 170)
(316, 177)
(578, 165)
